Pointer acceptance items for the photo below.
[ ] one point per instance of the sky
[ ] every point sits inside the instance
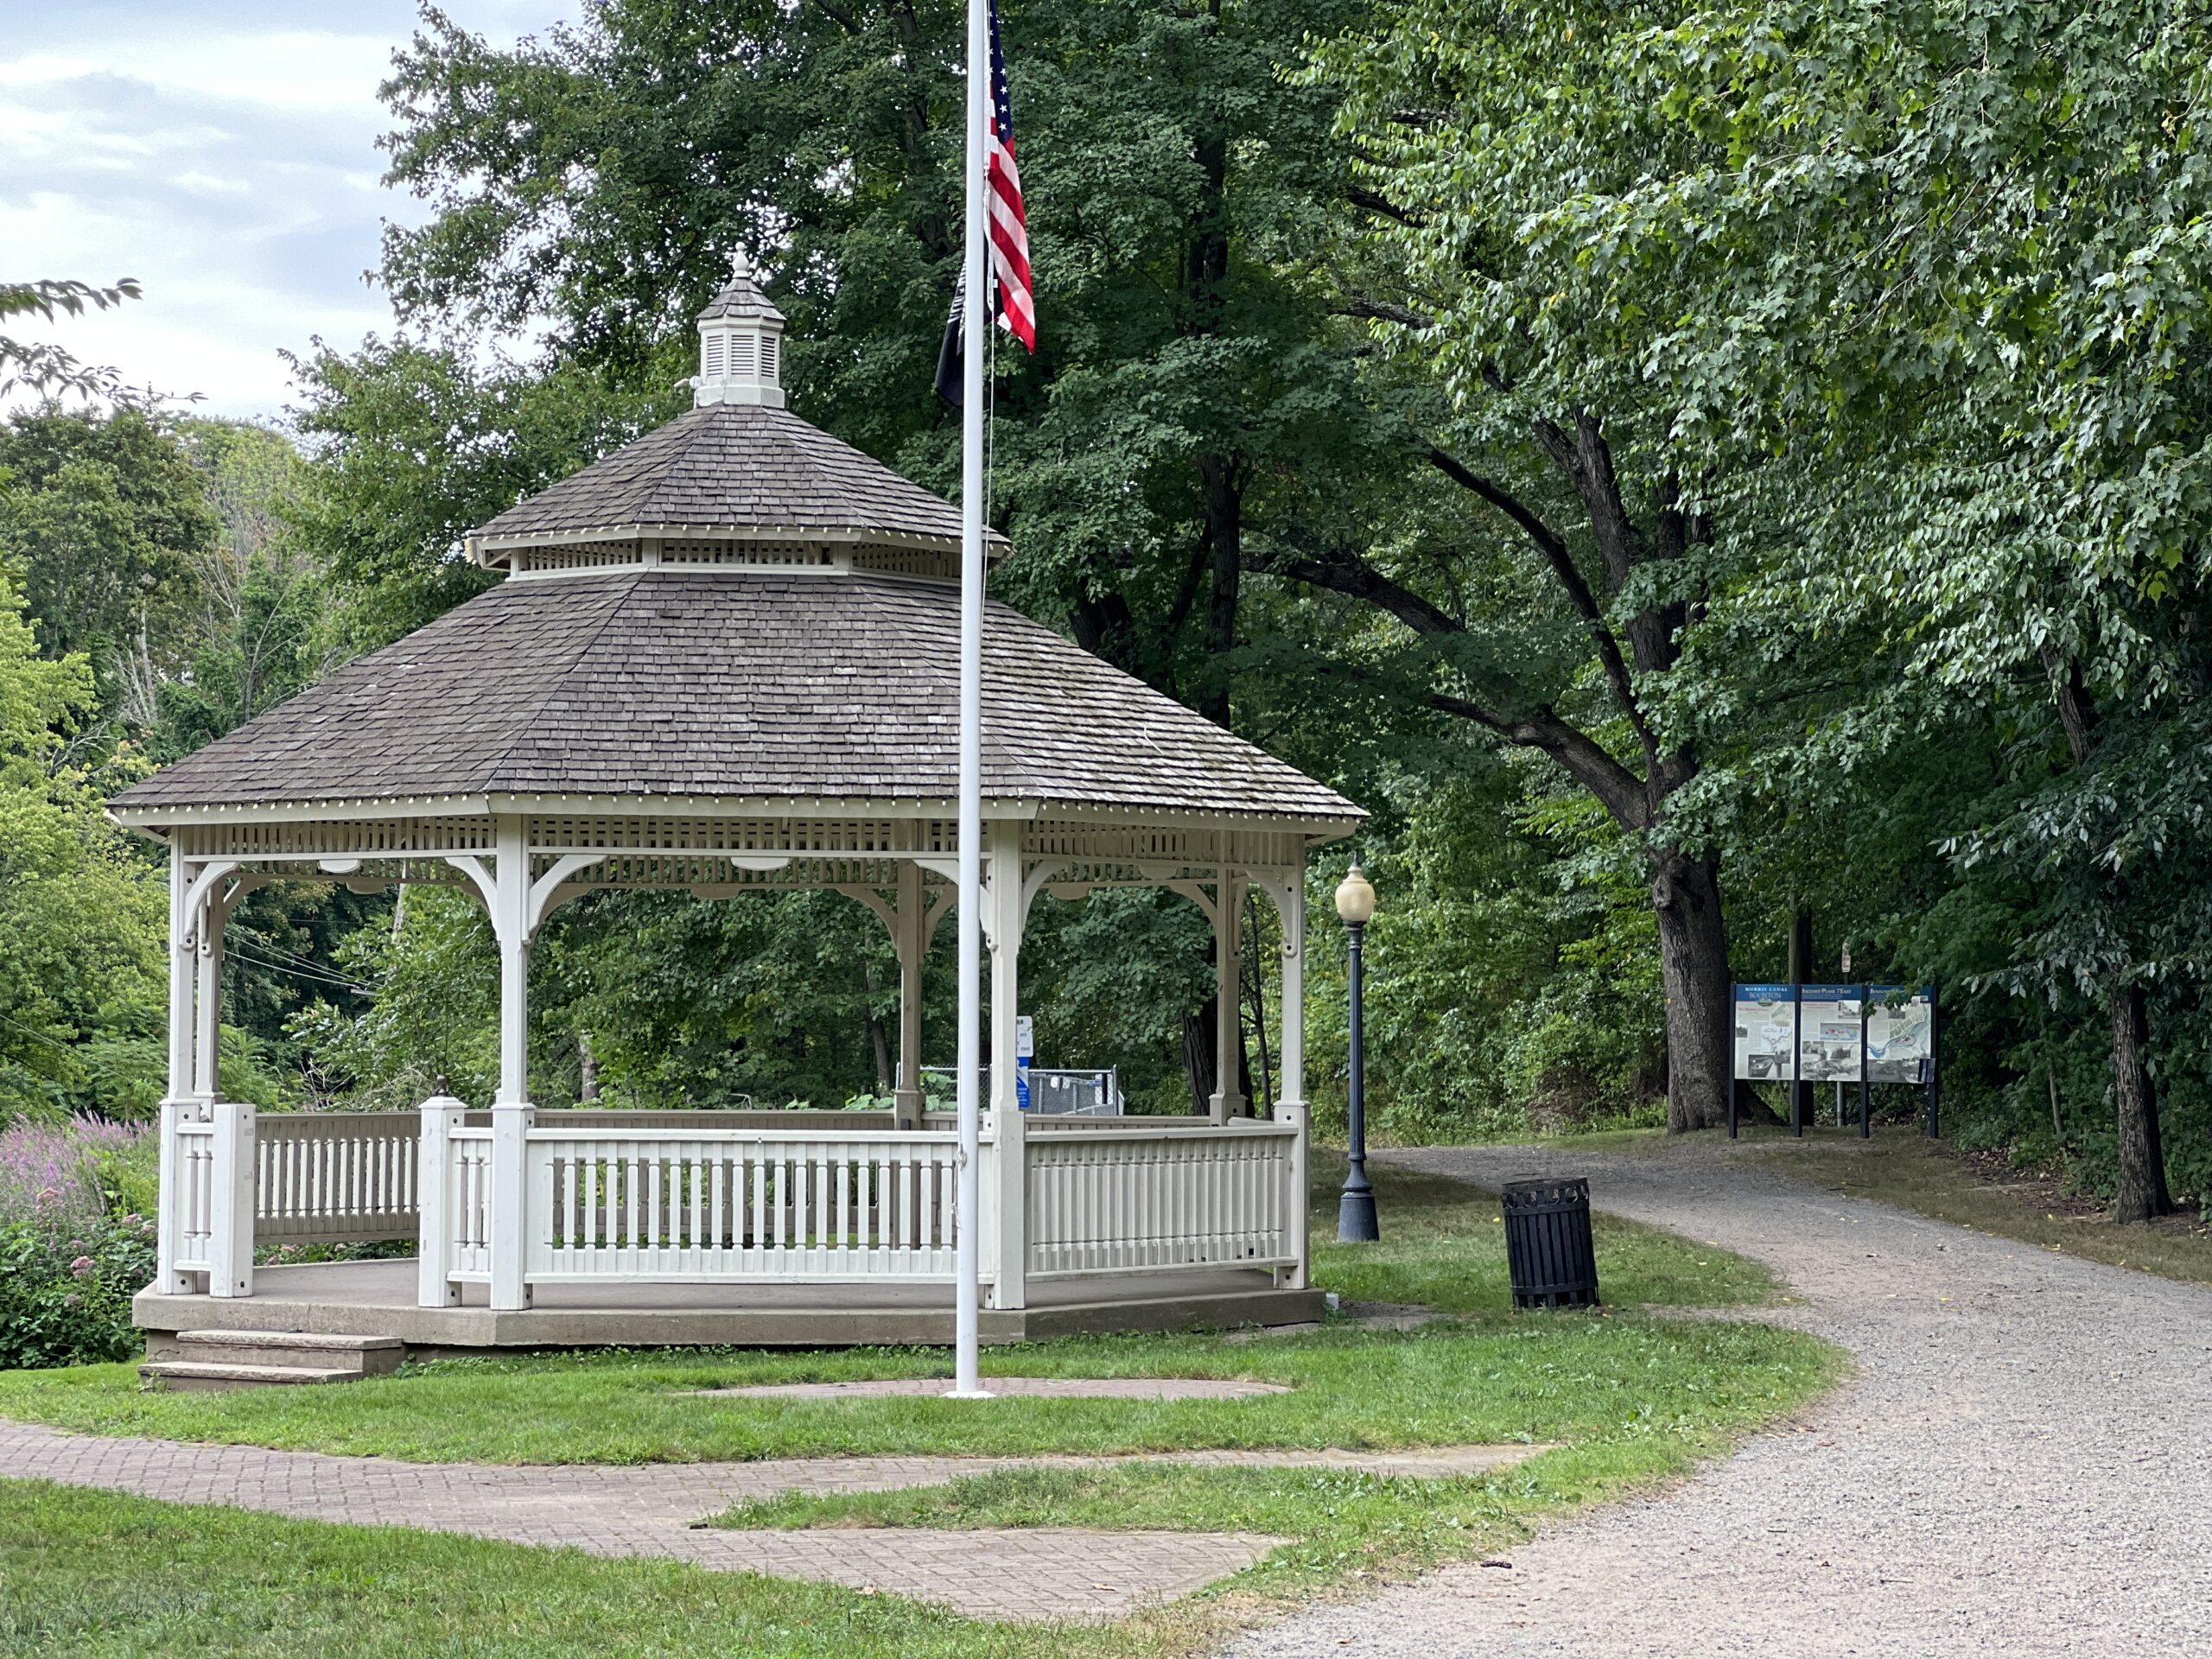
(223, 152)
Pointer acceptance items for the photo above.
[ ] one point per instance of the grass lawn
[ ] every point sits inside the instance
(1903, 1167)
(1633, 1396)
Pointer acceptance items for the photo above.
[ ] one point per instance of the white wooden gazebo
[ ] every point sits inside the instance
(723, 660)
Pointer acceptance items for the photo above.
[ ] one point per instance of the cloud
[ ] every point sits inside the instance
(224, 155)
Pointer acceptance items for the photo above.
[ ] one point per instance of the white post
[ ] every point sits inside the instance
(169, 1220)
(1009, 1200)
(511, 1114)
(1228, 993)
(183, 974)
(1290, 906)
(208, 1023)
(1289, 890)
(912, 947)
(975, 318)
(229, 1250)
(441, 1115)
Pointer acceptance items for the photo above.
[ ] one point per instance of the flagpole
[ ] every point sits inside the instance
(976, 316)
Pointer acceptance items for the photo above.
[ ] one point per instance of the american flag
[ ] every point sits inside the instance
(1017, 304)
(1013, 300)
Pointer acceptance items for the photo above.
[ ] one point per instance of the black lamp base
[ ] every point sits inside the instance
(1356, 1222)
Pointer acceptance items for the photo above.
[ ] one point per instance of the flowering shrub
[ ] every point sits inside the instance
(65, 1299)
(50, 1173)
(68, 1264)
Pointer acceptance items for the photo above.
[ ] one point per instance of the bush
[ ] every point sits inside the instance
(64, 1297)
(69, 1262)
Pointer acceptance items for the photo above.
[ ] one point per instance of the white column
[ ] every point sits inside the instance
(207, 1003)
(230, 1252)
(182, 974)
(1228, 989)
(215, 908)
(168, 1221)
(1009, 1197)
(912, 947)
(441, 1115)
(1288, 889)
(511, 1114)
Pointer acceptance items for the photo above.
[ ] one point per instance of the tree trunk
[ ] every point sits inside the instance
(1694, 968)
(2142, 1193)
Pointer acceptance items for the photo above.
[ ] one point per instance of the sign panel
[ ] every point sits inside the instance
(1828, 1033)
(1899, 1022)
(1024, 1047)
(1766, 1032)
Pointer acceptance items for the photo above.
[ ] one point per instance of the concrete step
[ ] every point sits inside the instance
(313, 1350)
(193, 1375)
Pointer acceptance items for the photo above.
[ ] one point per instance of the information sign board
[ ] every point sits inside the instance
(1828, 1033)
(1898, 1024)
(1766, 1032)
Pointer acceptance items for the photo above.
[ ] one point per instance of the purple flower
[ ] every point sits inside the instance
(82, 1268)
(72, 1299)
(49, 1173)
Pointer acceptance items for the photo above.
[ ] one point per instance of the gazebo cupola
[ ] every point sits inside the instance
(741, 344)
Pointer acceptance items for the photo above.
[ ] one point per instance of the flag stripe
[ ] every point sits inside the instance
(1016, 301)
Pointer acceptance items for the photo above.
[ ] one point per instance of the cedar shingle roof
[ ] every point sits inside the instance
(740, 298)
(730, 683)
(742, 466)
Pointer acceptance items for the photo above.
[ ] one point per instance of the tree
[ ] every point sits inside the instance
(1952, 275)
(80, 982)
(602, 175)
(41, 367)
(106, 522)
(1482, 136)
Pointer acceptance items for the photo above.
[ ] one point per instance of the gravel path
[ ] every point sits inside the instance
(2019, 1467)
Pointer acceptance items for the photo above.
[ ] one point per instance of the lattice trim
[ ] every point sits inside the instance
(336, 838)
(797, 838)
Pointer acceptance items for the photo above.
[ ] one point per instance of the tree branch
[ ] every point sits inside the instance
(1553, 547)
(1383, 311)
(1375, 202)
(1587, 761)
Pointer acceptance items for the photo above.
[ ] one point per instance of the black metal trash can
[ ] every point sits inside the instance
(1548, 1243)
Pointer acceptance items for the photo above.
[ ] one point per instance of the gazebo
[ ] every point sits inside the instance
(723, 660)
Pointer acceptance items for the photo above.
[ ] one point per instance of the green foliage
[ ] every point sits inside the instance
(41, 367)
(83, 920)
(104, 522)
(67, 1300)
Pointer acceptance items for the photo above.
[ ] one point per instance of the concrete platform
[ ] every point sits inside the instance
(377, 1298)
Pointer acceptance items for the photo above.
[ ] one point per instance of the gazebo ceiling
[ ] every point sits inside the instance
(800, 684)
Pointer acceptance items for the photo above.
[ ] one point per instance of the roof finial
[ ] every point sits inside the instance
(740, 268)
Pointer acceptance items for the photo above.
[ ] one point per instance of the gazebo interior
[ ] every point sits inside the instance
(723, 660)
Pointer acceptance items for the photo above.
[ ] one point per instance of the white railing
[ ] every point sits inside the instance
(740, 1204)
(336, 1177)
(1131, 1200)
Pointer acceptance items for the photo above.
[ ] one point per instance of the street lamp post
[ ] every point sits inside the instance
(1356, 1221)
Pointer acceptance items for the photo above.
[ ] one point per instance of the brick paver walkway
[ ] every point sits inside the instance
(1041, 1573)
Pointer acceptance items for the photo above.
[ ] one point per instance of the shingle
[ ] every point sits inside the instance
(743, 466)
(733, 682)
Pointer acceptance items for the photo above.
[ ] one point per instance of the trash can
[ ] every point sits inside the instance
(1548, 1243)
